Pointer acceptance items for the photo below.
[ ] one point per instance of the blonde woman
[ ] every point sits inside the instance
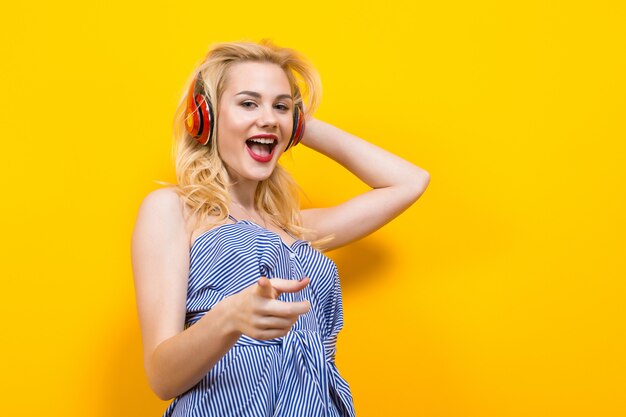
(239, 308)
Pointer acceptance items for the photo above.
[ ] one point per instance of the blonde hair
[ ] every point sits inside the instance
(200, 172)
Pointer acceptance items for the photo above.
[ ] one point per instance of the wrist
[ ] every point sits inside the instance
(229, 316)
(311, 132)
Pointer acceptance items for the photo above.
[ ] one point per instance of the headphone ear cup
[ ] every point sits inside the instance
(192, 114)
(298, 127)
(199, 114)
(206, 119)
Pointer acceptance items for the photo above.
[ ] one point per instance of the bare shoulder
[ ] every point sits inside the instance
(166, 209)
(164, 205)
(162, 213)
(163, 201)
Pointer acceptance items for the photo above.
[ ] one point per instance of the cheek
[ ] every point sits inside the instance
(237, 124)
(230, 141)
(228, 127)
(287, 124)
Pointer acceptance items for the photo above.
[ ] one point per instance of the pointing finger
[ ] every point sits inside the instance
(289, 285)
(264, 288)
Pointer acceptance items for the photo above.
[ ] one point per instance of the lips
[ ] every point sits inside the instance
(261, 147)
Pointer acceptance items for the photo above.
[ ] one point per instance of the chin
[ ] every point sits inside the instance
(247, 168)
(261, 175)
(248, 172)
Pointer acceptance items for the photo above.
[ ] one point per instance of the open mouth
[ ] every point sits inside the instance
(261, 149)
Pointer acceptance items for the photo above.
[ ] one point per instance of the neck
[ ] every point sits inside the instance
(242, 191)
(246, 200)
(242, 200)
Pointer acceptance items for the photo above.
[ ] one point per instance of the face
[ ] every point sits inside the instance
(256, 101)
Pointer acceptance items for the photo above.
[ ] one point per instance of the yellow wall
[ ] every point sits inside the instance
(499, 294)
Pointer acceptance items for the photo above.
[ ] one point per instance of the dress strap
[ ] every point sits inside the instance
(233, 219)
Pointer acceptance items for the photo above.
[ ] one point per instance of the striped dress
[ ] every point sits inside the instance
(293, 375)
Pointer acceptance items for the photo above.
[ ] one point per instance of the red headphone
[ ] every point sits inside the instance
(200, 122)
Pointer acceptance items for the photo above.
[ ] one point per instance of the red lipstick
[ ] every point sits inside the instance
(261, 147)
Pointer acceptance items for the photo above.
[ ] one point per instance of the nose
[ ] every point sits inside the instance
(267, 118)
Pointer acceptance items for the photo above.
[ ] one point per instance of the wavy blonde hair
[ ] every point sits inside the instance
(200, 172)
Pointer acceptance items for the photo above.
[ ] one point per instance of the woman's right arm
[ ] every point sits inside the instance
(175, 358)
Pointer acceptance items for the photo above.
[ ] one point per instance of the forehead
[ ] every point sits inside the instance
(261, 77)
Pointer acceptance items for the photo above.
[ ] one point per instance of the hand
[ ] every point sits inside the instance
(257, 312)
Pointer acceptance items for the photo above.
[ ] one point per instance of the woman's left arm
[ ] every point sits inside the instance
(396, 184)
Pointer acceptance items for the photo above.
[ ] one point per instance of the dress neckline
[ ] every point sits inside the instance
(250, 222)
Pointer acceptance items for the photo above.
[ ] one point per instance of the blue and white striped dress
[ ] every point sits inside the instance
(294, 375)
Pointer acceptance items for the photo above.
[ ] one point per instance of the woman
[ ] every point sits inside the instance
(239, 311)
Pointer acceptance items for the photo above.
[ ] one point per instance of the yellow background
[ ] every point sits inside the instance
(500, 293)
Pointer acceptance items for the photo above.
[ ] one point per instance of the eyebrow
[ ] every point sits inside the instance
(257, 95)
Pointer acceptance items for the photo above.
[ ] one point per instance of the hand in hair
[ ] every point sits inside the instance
(259, 314)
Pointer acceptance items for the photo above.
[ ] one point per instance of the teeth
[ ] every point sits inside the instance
(265, 141)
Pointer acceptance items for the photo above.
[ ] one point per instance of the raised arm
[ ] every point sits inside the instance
(396, 184)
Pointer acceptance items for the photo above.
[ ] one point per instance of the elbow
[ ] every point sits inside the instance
(418, 184)
(425, 180)
(165, 396)
(160, 384)
(163, 392)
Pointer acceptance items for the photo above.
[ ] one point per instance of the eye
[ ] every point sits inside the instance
(248, 104)
(282, 107)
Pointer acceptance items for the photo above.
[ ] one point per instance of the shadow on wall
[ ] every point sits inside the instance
(362, 263)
